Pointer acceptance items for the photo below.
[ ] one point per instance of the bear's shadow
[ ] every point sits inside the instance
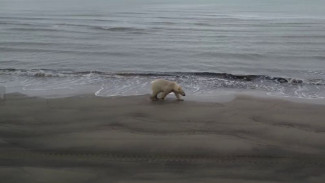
(166, 101)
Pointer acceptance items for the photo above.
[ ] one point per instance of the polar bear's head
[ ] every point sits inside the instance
(180, 90)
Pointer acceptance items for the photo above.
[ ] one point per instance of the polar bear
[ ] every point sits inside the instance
(166, 87)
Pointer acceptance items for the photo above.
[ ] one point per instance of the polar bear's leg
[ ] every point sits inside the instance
(165, 93)
(177, 96)
(154, 95)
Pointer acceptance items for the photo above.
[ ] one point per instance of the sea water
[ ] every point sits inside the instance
(117, 47)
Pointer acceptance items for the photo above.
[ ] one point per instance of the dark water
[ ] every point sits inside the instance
(117, 47)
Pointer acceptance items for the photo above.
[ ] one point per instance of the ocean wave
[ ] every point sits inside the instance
(120, 29)
(304, 36)
(210, 75)
(46, 82)
(55, 18)
(83, 52)
(34, 29)
(52, 29)
(19, 23)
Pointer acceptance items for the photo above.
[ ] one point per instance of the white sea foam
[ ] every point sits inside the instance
(124, 84)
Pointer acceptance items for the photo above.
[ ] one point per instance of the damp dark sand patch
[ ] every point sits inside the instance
(131, 139)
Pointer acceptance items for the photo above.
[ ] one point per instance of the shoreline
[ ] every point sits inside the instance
(222, 96)
(132, 139)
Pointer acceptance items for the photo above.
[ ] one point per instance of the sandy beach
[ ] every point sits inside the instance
(132, 139)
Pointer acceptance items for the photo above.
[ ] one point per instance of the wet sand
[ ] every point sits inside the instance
(132, 139)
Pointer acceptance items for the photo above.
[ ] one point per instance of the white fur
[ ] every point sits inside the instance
(165, 87)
